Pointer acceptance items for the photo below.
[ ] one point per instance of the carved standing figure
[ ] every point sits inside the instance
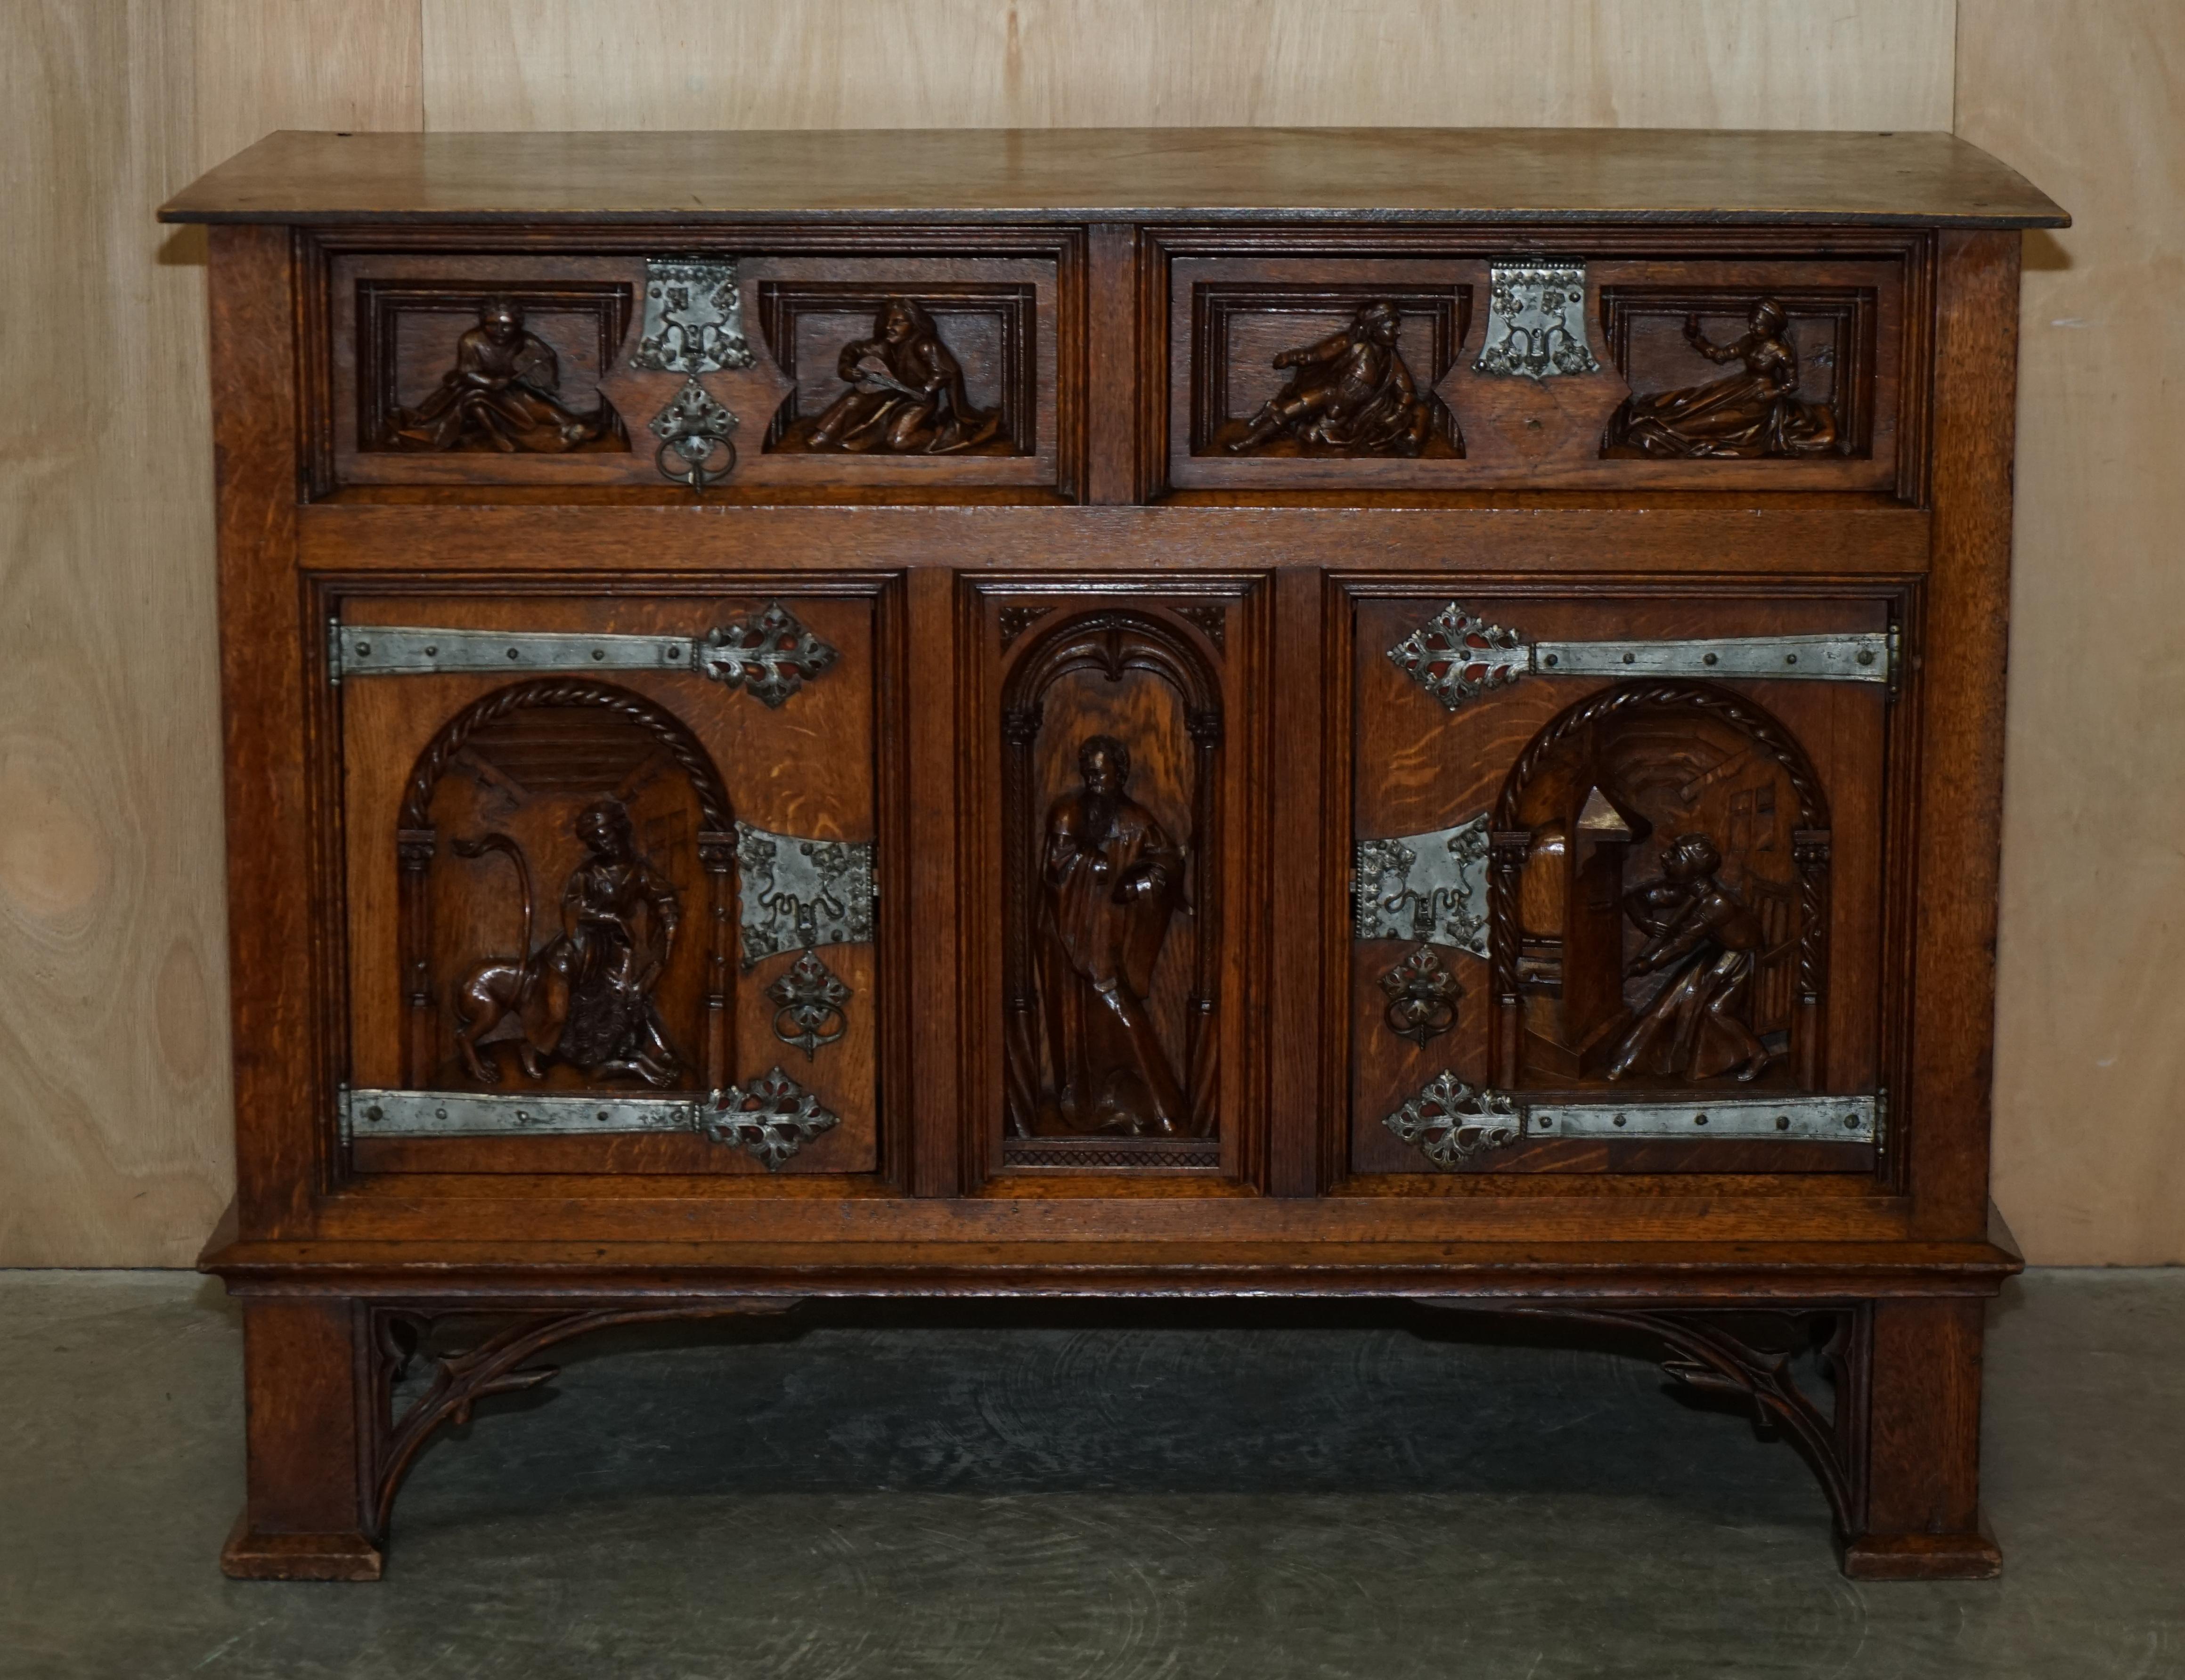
(586, 997)
(1696, 1026)
(1756, 411)
(1350, 391)
(906, 391)
(502, 395)
(1112, 880)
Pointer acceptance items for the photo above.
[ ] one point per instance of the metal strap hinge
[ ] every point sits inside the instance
(1457, 656)
(769, 653)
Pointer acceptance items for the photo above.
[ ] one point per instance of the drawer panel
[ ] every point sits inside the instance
(1617, 883)
(755, 367)
(1362, 369)
(610, 881)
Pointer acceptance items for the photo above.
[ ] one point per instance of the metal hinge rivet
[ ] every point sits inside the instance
(1699, 1119)
(1711, 659)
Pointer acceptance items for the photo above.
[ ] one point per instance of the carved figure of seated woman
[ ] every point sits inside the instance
(1350, 391)
(1695, 1027)
(906, 391)
(501, 394)
(1756, 411)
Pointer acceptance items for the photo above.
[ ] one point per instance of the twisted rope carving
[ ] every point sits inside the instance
(684, 747)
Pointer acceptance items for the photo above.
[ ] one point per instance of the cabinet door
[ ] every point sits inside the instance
(1618, 882)
(1115, 726)
(610, 880)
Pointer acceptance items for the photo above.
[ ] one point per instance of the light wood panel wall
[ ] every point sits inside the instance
(114, 1100)
(2090, 1157)
(911, 64)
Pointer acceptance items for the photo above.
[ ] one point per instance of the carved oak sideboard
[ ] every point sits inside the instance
(1314, 714)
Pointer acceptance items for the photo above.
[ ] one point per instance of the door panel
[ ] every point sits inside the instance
(1616, 924)
(610, 878)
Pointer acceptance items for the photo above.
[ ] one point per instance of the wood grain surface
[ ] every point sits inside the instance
(114, 1089)
(2090, 1027)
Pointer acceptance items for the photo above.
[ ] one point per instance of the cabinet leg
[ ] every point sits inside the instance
(308, 1511)
(1918, 1518)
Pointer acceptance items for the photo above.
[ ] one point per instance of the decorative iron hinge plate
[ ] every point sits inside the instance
(401, 650)
(770, 1120)
(468, 1113)
(1456, 657)
(769, 654)
(1429, 888)
(1449, 1121)
(1799, 1118)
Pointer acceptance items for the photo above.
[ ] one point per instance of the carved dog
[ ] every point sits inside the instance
(523, 999)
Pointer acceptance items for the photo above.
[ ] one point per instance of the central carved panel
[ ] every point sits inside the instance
(1112, 740)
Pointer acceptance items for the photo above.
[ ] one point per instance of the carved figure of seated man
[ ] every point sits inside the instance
(1350, 391)
(501, 394)
(906, 391)
(1756, 411)
(1111, 879)
(1695, 1027)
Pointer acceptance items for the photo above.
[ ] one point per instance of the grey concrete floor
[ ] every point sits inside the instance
(1339, 1501)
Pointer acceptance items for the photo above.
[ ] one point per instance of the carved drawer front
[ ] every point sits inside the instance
(1487, 365)
(1618, 885)
(729, 367)
(612, 882)
(1118, 857)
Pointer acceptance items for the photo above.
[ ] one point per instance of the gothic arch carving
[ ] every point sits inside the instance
(1113, 644)
(1512, 843)
(417, 843)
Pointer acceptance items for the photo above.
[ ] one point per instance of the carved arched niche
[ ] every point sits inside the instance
(1108, 999)
(1583, 889)
(496, 810)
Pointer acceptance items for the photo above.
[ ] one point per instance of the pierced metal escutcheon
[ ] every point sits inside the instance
(693, 318)
(1449, 1121)
(1535, 323)
(1429, 887)
(796, 893)
(771, 1121)
(810, 996)
(771, 655)
(1422, 997)
(694, 428)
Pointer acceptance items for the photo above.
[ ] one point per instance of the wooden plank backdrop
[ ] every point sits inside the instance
(113, 1095)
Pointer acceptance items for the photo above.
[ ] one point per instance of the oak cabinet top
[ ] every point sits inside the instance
(1452, 175)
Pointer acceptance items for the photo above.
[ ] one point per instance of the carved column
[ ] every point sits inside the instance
(1020, 828)
(414, 849)
(1809, 850)
(1507, 850)
(1202, 1050)
(716, 855)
